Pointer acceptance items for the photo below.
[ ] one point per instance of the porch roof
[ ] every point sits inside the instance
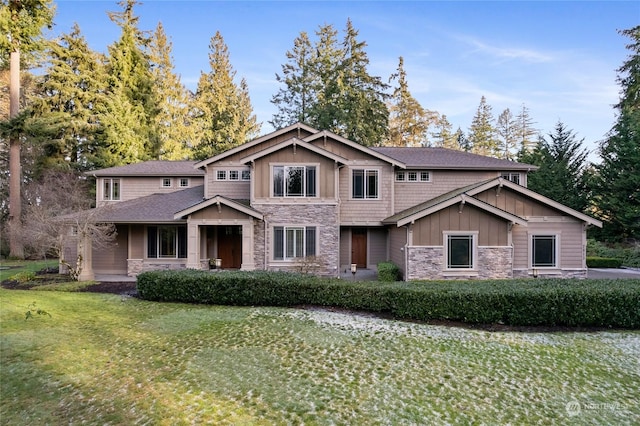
(239, 205)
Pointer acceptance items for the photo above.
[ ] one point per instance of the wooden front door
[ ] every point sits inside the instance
(230, 246)
(359, 247)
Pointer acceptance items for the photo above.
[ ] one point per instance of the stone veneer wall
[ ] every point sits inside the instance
(427, 263)
(323, 216)
(136, 266)
(557, 273)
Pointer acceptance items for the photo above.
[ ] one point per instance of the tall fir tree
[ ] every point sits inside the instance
(482, 132)
(528, 135)
(507, 132)
(409, 122)
(463, 141)
(21, 37)
(325, 113)
(223, 115)
(129, 132)
(69, 93)
(443, 135)
(173, 119)
(296, 100)
(562, 163)
(618, 175)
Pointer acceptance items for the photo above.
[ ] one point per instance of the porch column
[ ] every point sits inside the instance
(85, 249)
(248, 263)
(193, 244)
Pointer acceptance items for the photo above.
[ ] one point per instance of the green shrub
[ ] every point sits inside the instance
(388, 272)
(628, 253)
(23, 277)
(525, 302)
(603, 262)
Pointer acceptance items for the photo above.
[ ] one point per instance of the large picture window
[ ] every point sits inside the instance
(544, 251)
(167, 241)
(364, 184)
(460, 249)
(294, 181)
(111, 189)
(291, 242)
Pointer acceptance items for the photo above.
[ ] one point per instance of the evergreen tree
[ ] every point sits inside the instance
(326, 112)
(443, 135)
(482, 133)
(173, 119)
(562, 162)
(22, 23)
(408, 121)
(506, 129)
(297, 98)
(527, 134)
(363, 110)
(463, 141)
(223, 115)
(129, 132)
(618, 180)
(69, 93)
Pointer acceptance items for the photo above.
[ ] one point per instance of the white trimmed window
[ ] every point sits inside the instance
(544, 251)
(364, 184)
(461, 250)
(167, 242)
(221, 175)
(425, 177)
(294, 181)
(401, 176)
(184, 182)
(246, 175)
(418, 176)
(294, 242)
(166, 182)
(234, 175)
(513, 177)
(111, 189)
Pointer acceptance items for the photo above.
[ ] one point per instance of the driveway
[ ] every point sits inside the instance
(613, 273)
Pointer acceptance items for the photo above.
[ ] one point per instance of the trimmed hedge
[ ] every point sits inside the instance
(526, 302)
(603, 262)
(388, 272)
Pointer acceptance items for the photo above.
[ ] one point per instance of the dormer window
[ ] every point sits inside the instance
(294, 181)
(111, 189)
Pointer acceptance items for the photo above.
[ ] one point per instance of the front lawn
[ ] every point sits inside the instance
(107, 359)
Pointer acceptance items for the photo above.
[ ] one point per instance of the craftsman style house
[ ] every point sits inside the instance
(304, 199)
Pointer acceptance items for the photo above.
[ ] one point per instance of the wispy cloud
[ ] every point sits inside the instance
(506, 52)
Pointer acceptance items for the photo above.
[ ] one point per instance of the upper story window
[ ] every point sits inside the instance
(294, 181)
(421, 176)
(166, 182)
(184, 182)
(246, 175)
(544, 251)
(234, 175)
(111, 189)
(221, 175)
(365, 184)
(513, 177)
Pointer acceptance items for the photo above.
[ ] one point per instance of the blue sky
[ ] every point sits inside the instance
(559, 58)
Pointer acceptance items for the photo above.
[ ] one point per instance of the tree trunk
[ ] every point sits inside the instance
(16, 246)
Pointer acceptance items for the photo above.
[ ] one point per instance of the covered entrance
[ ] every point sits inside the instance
(359, 247)
(230, 246)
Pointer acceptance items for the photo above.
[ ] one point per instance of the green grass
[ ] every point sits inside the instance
(105, 359)
(8, 268)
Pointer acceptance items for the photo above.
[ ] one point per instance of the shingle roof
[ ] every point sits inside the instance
(442, 158)
(153, 208)
(152, 168)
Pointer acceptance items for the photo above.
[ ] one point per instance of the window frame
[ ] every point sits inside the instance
(401, 176)
(221, 175)
(111, 189)
(245, 175)
(281, 249)
(156, 247)
(366, 191)
(234, 175)
(510, 175)
(166, 183)
(449, 236)
(183, 182)
(425, 176)
(310, 189)
(555, 237)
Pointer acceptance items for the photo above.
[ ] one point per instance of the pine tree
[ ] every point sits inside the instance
(527, 134)
(562, 162)
(129, 131)
(295, 101)
(409, 122)
(482, 133)
(173, 119)
(443, 135)
(22, 24)
(223, 115)
(618, 180)
(462, 140)
(506, 129)
(69, 92)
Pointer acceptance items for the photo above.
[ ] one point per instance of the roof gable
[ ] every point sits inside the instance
(356, 146)
(293, 142)
(218, 200)
(151, 168)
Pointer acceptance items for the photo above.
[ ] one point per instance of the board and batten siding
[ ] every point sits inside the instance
(221, 213)
(492, 230)
(408, 194)
(515, 203)
(325, 171)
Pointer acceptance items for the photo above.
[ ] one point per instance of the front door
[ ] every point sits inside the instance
(359, 247)
(230, 246)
